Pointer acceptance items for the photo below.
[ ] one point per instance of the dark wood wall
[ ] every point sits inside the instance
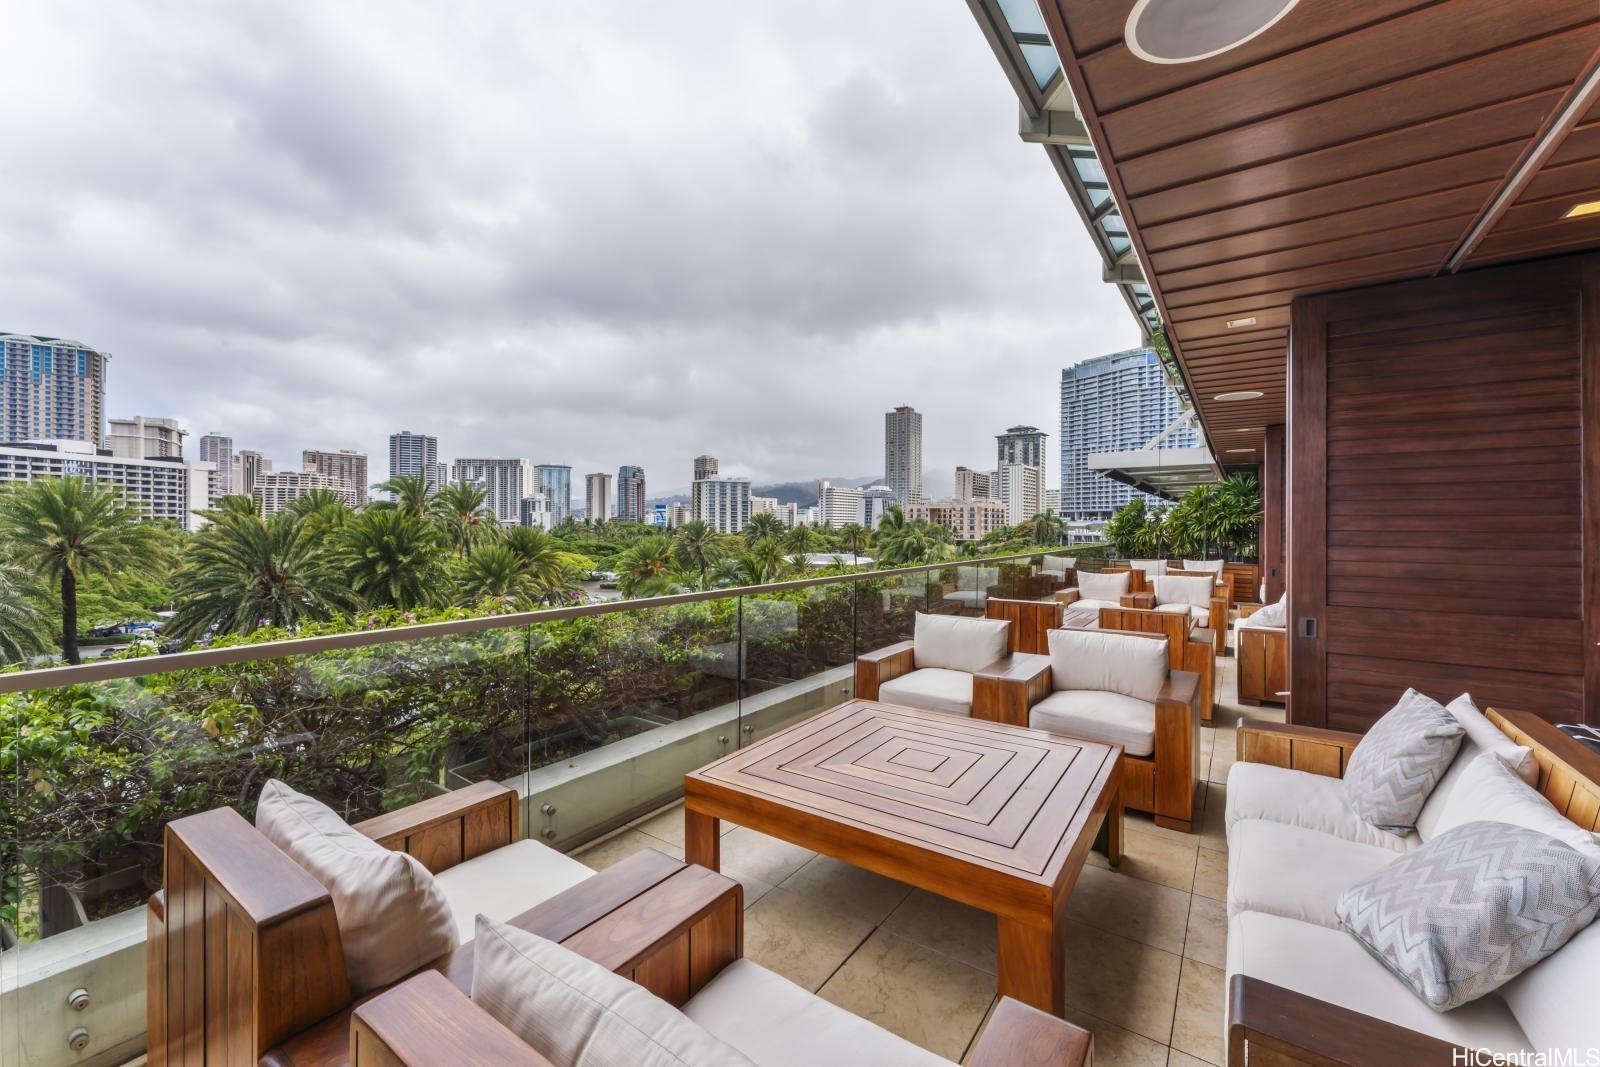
(1443, 498)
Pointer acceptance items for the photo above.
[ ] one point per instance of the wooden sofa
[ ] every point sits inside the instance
(679, 931)
(1270, 1022)
(1263, 655)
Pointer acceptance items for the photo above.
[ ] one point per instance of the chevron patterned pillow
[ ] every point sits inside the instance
(1401, 759)
(1472, 909)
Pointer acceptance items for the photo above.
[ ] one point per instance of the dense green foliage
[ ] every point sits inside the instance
(1223, 519)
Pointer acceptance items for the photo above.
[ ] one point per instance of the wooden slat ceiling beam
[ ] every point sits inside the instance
(1355, 142)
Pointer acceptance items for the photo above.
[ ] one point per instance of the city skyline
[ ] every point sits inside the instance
(782, 284)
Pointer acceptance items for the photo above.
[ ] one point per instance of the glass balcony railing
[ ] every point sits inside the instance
(593, 713)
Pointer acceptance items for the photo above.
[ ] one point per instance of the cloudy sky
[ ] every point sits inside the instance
(594, 233)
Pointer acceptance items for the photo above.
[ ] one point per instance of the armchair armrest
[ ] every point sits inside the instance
(443, 831)
(1269, 1022)
(1177, 751)
(1068, 596)
(426, 1019)
(1301, 748)
(1218, 623)
(885, 664)
(1139, 600)
(1017, 1033)
(1007, 688)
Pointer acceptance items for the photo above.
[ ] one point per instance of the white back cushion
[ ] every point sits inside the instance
(573, 1011)
(1195, 592)
(1149, 566)
(1108, 662)
(956, 643)
(1107, 587)
(1060, 563)
(392, 918)
(1204, 566)
(1487, 736)
(1273, 616)
(1489, 790)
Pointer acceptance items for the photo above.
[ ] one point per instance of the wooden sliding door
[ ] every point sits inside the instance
(1442, 494)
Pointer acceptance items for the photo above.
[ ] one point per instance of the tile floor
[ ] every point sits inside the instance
(1144, 951)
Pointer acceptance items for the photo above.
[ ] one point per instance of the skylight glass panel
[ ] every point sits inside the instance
(1042, 62)
(1023, 16)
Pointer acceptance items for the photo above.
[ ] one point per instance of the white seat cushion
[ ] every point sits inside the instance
(1201, 616)
(1332, 966)
(1096, 605)
(1295, 872)
(1108, 588)
(778, 1024)
(506, 882)
(1113, 718)
(1553, 1000)
(958, 644)
(1299, 798)
(931, 689)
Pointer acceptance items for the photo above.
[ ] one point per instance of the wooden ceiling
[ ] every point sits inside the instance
(1354, 142)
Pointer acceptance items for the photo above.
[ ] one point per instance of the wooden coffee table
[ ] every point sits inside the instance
(999, 817)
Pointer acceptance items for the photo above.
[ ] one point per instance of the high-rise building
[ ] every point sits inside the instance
(1022, 446)
(705, 468)
(346, 465)
(1022, 492)
(763, 505)
(902, 454)
(416, 455)
(838, 505)
(723, 503)
(168, 489)
(678, 514)
(974, 485)
(1052, 500)
(142, 437)
(506, 480)
(968, 520)
(534, 510)
(876, 500)
(630, 494)
(555, 482)
(51, 389)
(276, 491)
(218, 448)
(1112, 403)
(248, 467)
(597, 499)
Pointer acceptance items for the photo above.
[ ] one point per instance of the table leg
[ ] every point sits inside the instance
(1114, 828)
(702, 839)
(1032, 963)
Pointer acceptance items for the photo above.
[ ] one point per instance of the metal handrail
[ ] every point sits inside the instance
(107, 670)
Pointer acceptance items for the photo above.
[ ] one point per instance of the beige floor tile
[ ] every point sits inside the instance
(1197, 1024)
(1211, 875)
(1137, 822)
(754, 889)
(911, 990)
(1142, 911)
(1182, 1059)
(1222, 759)
(748, 854)
(800, 937)
(862, 893)
(1213, 824)
(955, 930)
(620, 846)
(1116, 1047)
(1206, 937)
(1123, 982)
(1155, 859)
(665, 825)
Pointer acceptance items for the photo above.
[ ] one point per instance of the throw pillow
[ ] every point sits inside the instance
(1472, 909)
(1396, 766)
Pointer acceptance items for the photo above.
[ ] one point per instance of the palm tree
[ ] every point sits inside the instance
(244, 573)
(462, 508)
(762, 524)
(854, 538)
(70, 529)
(900, 541)
(696, 548)
(801, 539)
(496, 570)
(391, 557)
(763, 563)
(236, 504)
(544, 561)
(411, 493)
(646, 559)
(24, 630)
(1047, 528)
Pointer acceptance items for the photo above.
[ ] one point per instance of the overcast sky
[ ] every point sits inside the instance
(593, 233)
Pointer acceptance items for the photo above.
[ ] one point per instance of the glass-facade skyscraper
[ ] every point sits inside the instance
(1111, 404)
(51, 389)
(555, 482)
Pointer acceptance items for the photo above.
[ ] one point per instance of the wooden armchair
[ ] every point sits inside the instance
(1216, 610)
(1164, 783)
(1263, 660)
(672, 936)
(1189, 647)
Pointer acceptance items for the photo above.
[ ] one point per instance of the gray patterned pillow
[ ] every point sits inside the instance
(1401, 759)
(1472, 909)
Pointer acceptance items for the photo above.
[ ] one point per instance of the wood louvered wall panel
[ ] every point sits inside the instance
(1442, 497)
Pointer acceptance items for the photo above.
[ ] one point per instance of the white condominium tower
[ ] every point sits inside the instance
(1111, 404)
(275, 492)
(51, 389)
(346, 465)
(902, 454)
(838, 505)
(508, 481)
(705, 468)
(141, 437)
(248, 467)
(723, 503)
(218, 448)
(417, 455)
(597, 497)
(1019, 471)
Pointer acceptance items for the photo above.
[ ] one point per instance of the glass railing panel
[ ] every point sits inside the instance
(951, 591)
(799, 653)
(975, 583)
(622, 706)
(886, 608)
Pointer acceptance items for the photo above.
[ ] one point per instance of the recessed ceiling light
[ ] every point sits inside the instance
(1186, 31)
(1234, 324)
(1578, 211)
(1248, 429)
(1243, 394)
(1239, 451)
